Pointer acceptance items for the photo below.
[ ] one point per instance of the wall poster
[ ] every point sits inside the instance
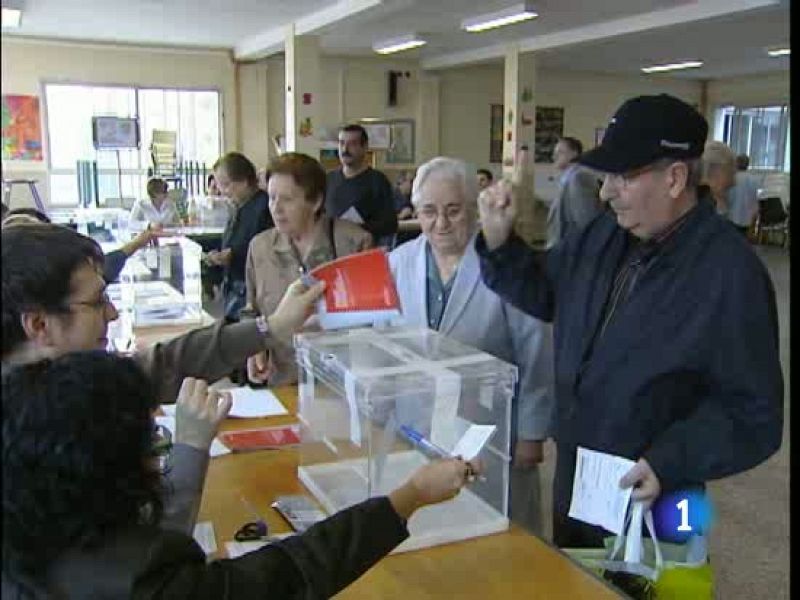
(21, 128)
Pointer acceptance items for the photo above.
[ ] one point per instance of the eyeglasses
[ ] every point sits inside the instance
(101, 303)
(623, 180)
(451, 213)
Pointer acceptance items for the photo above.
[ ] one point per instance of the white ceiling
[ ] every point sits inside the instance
(616, 36)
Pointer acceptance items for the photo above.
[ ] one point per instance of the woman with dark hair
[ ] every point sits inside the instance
(236, 178)
(303, 238)
(83, 496)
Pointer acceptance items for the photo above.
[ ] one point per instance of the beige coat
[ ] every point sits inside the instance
(272, 266)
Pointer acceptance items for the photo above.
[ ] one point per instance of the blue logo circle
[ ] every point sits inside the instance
(680, 514)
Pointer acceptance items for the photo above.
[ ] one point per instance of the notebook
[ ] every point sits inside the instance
(261, 439)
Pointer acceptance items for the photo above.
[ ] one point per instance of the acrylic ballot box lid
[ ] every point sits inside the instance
(362, 390)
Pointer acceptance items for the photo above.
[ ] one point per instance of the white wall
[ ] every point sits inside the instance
(588, 99)
(755, 90)
(352, 89)
(26, 63)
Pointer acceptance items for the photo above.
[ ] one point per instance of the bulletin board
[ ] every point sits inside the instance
(549, 127)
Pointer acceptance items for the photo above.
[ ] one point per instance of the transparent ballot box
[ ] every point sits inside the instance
(104, 225)
(160, 284)
(363, 391)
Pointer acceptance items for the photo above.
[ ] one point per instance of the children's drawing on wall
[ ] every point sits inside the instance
(21, 128)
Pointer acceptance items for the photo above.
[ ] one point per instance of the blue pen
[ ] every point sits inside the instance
(416, 438)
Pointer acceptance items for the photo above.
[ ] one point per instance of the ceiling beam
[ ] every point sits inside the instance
(685, 13)
(271, 41)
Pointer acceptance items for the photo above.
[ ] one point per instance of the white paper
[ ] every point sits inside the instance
(352, 404)
(596, 496)
(352, 215)
(248, 403)
(204, 535)
(236, 549)
(217, 448)
(473, 441)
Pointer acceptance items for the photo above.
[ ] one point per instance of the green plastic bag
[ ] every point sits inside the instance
(649, 569)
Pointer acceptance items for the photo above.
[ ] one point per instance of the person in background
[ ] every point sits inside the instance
(302, 239)
(665, 324)
(578, 199)
(236, 178)
(54, 302)
(485, 179)
(743, 196)
(438, 281)
(114, 261)
(212, 189)
(79, 451)
(359, 193)
(157, 209)
(402, 196)
(719, 174)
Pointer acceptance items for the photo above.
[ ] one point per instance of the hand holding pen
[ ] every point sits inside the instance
(431, 449)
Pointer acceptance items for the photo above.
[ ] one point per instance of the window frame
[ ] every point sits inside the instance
(723, 125)
(140, 171)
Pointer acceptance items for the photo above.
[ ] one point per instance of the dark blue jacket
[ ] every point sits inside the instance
(687, 374)
(249, 219)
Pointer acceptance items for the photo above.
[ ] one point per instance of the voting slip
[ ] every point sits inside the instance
(596, 496)
(473, 441)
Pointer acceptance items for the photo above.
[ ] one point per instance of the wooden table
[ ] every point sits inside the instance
(512, 564)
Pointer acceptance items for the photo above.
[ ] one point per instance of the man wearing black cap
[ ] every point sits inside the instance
(666, 333)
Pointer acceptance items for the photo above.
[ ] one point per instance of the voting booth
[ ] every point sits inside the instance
(375, 404)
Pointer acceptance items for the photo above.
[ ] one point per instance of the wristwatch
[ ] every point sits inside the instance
(262, 325)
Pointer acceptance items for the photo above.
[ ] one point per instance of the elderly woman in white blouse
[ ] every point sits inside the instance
(439, 283)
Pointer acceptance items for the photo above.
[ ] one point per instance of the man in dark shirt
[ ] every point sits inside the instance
(666, 330)
(358, 192)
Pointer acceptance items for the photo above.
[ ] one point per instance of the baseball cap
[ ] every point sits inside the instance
(645, 129)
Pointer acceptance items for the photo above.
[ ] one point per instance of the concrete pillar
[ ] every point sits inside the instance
(427, 128)
(519, 93)
(302, 93)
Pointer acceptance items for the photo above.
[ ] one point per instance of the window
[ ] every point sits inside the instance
(762, 133)
(193, 114)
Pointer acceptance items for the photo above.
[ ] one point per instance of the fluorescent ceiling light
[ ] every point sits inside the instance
(513, 14)
(11, 17)
(779, 52)
(689, 64)
(399, 44)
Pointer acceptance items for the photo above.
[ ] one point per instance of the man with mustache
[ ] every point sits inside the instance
(358, 192)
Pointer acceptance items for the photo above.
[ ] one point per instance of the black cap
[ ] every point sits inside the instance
(645, 129)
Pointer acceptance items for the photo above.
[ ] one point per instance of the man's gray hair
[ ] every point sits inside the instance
(453, 169)
(717, 155)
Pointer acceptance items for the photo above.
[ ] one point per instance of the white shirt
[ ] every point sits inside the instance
(743, 199)
(145, 210)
